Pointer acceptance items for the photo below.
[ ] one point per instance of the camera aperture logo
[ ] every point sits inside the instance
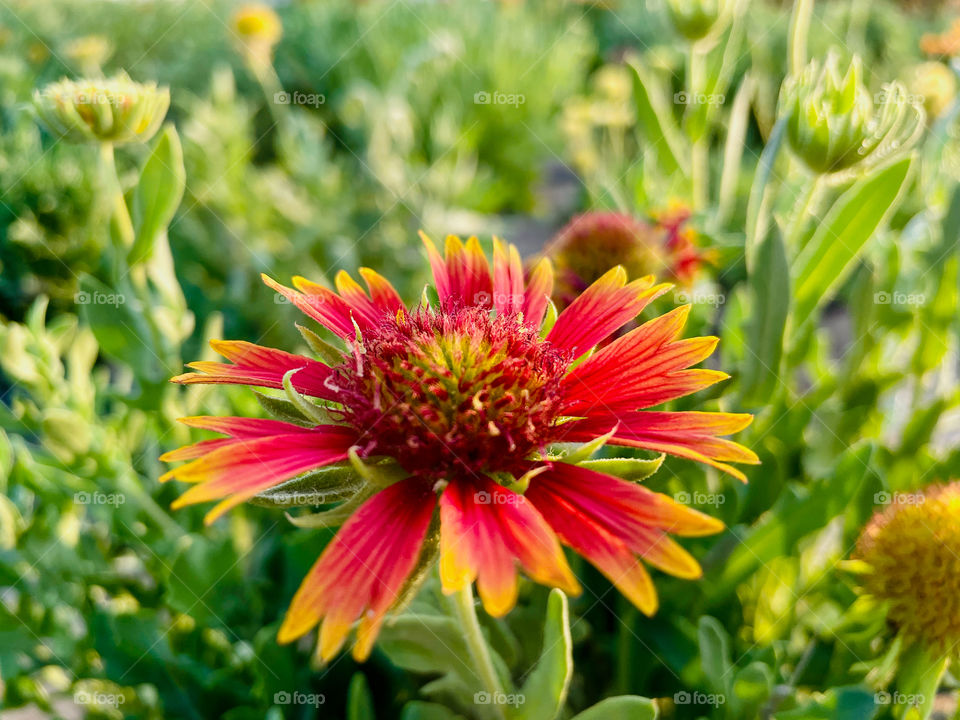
(499, 698)
(484, 97)
(282, 697)
(313, 100)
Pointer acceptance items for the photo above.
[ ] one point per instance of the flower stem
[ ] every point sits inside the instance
(121, 225)
(479, 653)
(700, 159)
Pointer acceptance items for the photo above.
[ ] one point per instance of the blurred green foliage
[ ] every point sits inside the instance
(835, 300)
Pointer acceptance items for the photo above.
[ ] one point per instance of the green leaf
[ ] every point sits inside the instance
(430, 644)
(919, 675)
(750, 689)
(840, 703)
(545, 689)
(632, 469)
(157, 194)
(829, 256)
(419, 710)
(359, 699)
(796, 514)
(714, 653)
(761, 193)
(770, 284)
(122, 331)
(655, 119)
(623, 707)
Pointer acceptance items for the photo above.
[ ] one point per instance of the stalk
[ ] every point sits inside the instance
(466, 613)
(699, 157)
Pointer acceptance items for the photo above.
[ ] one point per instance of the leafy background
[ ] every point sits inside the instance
(105, 593)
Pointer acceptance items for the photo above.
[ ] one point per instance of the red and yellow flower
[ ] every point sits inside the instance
(464, 397)
(593, 242)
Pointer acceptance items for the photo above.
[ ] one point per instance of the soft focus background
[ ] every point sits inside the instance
(373, 120)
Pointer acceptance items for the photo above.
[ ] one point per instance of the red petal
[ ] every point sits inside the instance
(261, 367)
(602, 309)
(485, 529)
(235, 472)
(643, 368)
(508, 293)
(361, 572)
(537, 296)
(692, 435)
(323, 305)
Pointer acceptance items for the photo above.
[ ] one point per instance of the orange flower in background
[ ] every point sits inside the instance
(463, 398)
(946, 44)
(591, 243)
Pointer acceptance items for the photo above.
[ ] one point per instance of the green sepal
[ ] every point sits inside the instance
(632, 469)
(324, 350)
(332, 483)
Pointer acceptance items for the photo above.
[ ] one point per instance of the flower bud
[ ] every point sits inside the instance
(833, 123)
(936, 85)
(259, 30)
(695, 19)
(912, 550)
(116, 110)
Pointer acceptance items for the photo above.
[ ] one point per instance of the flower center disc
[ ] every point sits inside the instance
(454, 390)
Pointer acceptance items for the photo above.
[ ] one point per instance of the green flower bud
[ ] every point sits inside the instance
(834, 123)
(695, 19)
(116, 110)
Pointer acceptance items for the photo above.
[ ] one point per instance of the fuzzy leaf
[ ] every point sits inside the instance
(545, 690)
(632, 469)
(623, 707)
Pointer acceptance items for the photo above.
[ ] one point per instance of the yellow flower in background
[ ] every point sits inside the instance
(936, 84)
(89, 52)
(115, 110)
(259, 28)
(913, 550)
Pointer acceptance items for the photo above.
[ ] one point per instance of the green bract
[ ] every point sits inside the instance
(115, 110)
(695, 19)
(834, 123)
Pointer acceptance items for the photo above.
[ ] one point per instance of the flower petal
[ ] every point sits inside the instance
(248, 465)
(508, 292)
(261, 367)
(643, 368)
(382, 293)
(604, 550)
(361, 572)
(602, 309)
(537, 295)
(485, 529)
(323, 305)
(691, 435)
(356, 297)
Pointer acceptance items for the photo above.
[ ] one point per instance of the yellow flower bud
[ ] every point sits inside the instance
(116, 110)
